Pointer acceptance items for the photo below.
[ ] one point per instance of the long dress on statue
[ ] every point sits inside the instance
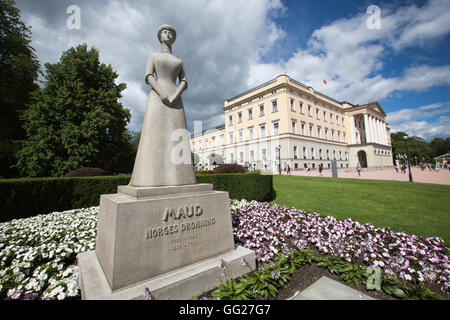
(164, 156)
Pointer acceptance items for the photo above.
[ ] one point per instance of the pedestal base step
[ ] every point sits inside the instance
(183, 283)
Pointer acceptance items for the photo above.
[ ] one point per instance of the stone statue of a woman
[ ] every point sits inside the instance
(163, 157)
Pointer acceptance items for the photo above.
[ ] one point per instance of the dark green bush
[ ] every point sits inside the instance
(242, 186)
(229, 168)
(22, 198)
(86, 172)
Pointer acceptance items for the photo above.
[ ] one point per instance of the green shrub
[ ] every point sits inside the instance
(86, 172)
(22, 198)
(229, 168)
(26, 197)
(241, 185)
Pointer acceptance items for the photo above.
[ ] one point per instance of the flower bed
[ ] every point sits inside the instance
(38, 254)
(270, 229)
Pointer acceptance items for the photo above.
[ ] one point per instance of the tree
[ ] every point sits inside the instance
(76, 120)
(19, 69)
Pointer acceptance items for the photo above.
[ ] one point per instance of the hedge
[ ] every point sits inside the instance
(26, 197)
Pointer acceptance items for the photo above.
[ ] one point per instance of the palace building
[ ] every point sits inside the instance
(284, 122)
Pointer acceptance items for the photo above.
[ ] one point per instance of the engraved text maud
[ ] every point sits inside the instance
(182, 212)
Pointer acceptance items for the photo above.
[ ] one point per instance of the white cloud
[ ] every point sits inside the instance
(221, 44)
(350, 56)
(217, 40)
(421, 121)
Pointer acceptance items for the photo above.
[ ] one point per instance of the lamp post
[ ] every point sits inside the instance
(279, 159)
(407, 155)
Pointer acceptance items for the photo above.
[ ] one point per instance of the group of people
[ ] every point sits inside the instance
(423, 166)
(402, 167)
(434, 166)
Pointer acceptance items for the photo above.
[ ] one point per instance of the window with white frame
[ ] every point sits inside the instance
(250, 114)
(274, 106)
(326, 133)
(241, 135)
(309, 110)
(230, 136)
(302, 110)
(319, 132)
(292, 105)
(311, 130)
(241, 157)
(239, 117)
(295, 152)
(276, 127)
(252, 155)
(313, 154)
(264, 154)
(250, 133)
(230, 120)
(318, 113)
(305, 153)
(261, 110)
(331, 118)
(262, 131)
(303, 128)
(294, 126)
(324, 115)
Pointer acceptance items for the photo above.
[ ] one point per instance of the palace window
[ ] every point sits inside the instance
(324, 116)
(292, 105)
(230, 120)
(274, 106)
(310, 130)
(252, 155)
(275, 128)
(331, 118)
(309, 110)
(262, 130)
(261, 110)
(317, 113)
(303, 128)
(230, 135)
(294, 127)
(250, 114)
(264, 154)
(301, 108)
(313, 154)
(304, 153)
(295, 152)
(239, 117)
(241, 135)
(250, 133)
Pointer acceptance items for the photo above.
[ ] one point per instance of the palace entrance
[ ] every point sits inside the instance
(362, 158)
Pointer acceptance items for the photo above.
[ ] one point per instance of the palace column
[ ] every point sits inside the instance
(352, 130)
(366, 126)
(372, 128)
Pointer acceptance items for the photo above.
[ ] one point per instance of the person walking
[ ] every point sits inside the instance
(288, 171)
(358, 167)
(320, 169)
(396, 166)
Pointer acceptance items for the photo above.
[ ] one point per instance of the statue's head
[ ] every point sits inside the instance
(167, 34)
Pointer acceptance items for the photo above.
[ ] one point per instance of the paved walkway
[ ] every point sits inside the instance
(441, 177)
(328, 289)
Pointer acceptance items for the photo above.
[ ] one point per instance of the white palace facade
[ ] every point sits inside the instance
(307, 127)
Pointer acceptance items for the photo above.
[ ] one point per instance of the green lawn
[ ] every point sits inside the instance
(416, 208)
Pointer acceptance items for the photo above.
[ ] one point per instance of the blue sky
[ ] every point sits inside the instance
(231, 46)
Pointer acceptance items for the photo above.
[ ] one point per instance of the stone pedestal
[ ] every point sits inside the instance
(169, 239)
